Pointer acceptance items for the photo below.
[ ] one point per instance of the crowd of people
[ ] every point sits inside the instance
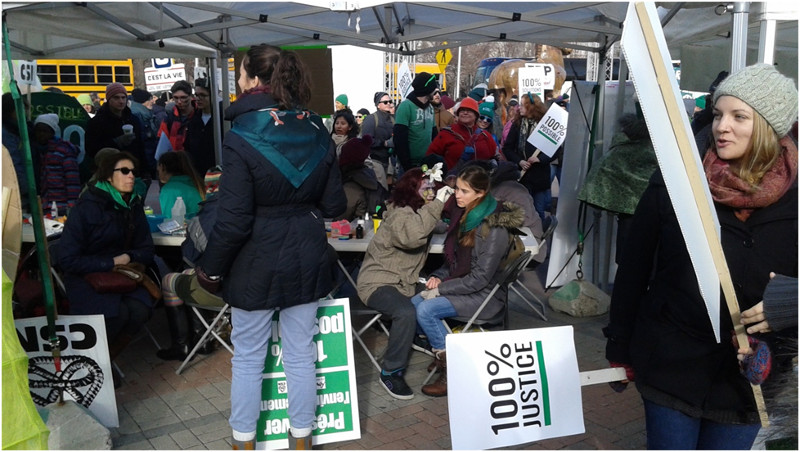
(429, 164)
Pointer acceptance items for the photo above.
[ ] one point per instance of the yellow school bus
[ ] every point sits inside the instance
(76, 77)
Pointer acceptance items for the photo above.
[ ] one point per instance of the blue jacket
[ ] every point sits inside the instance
(96, 231)
(269, 239)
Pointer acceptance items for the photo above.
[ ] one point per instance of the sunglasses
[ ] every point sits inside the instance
(385, 102)
(359, 116)
(484, 118)
(125, 170)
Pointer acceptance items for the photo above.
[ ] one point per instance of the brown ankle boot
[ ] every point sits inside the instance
(244, 445)
(434, 365)
(303, 443)
(439, 387)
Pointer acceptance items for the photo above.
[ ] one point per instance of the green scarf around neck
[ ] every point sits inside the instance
(477, 214)
(115, 194)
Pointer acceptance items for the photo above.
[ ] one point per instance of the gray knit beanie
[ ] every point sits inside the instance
(765, 90)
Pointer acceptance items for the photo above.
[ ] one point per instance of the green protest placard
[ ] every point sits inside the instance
(337, 398)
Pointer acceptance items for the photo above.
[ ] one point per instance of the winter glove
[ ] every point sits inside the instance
(619, 386)
(431, 293)
(756, 366)
(124, 140)
(443, 194)
(210, 283)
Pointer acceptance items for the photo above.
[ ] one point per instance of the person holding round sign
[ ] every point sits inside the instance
(697, 395)
(535, 164)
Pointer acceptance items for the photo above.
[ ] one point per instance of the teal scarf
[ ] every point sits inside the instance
(115, 194)
(478, 213)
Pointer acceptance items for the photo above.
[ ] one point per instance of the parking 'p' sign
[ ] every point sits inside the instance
(535, 78)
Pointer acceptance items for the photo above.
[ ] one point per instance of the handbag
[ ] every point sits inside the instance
(110, 282)
(135, 273)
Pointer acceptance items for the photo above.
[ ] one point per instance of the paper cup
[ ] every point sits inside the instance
(127, 129)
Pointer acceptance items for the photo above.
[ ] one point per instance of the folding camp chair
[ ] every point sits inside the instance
(210, 329)
(510, 274)
(516, 285)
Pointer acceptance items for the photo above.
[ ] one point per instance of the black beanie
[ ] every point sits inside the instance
(424, 84)
(378, 96)
(141, 96)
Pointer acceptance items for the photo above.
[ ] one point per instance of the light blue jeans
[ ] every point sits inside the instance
(250, 337)
(670, 429)
(429, 317)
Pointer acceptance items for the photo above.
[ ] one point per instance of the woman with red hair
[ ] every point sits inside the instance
(392, 263)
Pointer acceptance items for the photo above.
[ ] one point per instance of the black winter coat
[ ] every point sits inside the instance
(97, 230)
(104, 127)
(659, 323)
(269, 239)
(537, 178)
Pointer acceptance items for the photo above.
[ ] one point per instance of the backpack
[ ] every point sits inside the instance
(198, 229)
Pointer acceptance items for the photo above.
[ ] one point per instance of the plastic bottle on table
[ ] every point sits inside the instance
(360, 229)
(53, 210)
(179, 210)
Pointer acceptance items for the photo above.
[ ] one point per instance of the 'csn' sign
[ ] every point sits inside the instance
(161, 79)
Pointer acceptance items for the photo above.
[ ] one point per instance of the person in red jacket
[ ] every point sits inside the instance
(464, 140)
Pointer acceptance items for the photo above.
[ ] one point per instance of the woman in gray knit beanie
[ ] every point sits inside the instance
(696, 393)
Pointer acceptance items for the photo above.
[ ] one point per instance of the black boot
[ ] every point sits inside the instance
(179, 333)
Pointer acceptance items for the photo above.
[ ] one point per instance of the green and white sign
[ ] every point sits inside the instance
(337, 397)
(512, 387)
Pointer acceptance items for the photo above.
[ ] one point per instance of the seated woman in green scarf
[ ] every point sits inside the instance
(476, 242)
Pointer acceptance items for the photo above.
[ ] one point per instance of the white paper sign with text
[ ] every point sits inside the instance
(549, 134)
(85, 374)
(535, 78)
(404, 79)
(512, 387)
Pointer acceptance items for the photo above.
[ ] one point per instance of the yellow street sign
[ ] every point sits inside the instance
(443, 58)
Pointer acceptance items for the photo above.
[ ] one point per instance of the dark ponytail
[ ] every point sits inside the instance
(290, 83)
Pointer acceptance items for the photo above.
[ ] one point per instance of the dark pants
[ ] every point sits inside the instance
(671, 429)
(388, 300)
(133, 314)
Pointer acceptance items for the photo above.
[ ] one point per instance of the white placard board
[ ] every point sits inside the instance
(512, 387)
(550, 132)
(665, 142)
(85, 366)
(404, 79)
(162, 79)
(535, 78)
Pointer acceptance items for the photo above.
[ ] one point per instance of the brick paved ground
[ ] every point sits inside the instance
(161, 410)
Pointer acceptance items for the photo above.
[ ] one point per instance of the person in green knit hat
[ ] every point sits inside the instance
(176, 173)
(341, 102)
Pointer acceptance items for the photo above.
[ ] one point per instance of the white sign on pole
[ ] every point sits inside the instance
(85, 374)
(512, 387)
(162, 79)
(549, 134)
(404, 79)
(535, 78)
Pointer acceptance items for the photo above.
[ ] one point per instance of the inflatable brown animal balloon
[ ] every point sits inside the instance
(504, 79)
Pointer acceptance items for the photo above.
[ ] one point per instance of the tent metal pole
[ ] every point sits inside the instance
(458, 75)
(215, 111)
(741, 11)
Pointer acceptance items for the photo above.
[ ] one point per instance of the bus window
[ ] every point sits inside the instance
(67, 73)
(105, 75)
(86, 74)
(48, 73)
(122, 75)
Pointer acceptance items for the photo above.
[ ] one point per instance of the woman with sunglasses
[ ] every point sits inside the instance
(464, 140)
(534, 164)
(268, 250)
(108, 227)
